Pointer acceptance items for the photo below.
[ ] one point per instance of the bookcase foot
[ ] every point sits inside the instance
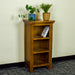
(31, 69)
(26, 66)
(50, 67)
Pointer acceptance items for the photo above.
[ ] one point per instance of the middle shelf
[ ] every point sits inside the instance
(40, 38)
(41, 46)
(37, 51)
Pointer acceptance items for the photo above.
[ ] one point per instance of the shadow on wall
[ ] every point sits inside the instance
(18, 22)
(21, 41)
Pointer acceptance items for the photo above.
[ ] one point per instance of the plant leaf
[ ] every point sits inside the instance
(27, 7)
(45, 7)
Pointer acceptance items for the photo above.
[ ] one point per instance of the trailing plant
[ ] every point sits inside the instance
(45, 7)
(38, 10)
(22, 16)
(31, 9)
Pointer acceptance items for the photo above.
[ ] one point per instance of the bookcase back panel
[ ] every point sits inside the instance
(41, 44)
(38, 31)
(41, 58)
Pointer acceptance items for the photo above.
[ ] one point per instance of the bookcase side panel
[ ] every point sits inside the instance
(27, 42)
(31, 48)
(50, 46)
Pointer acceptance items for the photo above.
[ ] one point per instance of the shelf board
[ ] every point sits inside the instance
(37, 51)
(40, 38)
(46, 64)
(38, 63)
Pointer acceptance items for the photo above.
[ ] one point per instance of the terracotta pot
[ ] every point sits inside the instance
(46, 16)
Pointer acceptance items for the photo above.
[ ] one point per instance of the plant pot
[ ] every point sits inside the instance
(46, 16)
(31, 17)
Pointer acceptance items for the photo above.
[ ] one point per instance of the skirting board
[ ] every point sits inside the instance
(22, 64)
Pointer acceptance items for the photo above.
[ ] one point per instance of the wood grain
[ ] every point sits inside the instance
(38, 50)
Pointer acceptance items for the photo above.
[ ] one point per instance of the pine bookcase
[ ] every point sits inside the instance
(38, 50)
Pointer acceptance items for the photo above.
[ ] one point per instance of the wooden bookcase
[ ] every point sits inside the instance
(38, 50)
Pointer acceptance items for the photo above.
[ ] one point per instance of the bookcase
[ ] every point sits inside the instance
(38, 50)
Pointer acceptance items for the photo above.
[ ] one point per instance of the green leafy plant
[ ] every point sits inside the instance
(22, 16)
(30, 19)
(38, 10)
(31, 9)
(45, 7)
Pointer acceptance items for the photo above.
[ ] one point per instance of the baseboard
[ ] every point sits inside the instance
(21, 64)
(18, 64)
(63, 58)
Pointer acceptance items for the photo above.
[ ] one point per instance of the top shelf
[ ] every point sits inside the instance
(39, 21)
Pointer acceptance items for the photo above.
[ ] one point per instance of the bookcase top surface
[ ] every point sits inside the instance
(40, 21)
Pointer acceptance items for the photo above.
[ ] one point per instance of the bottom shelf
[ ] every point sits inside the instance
(41, 59)
(46, 64)
(37, 65)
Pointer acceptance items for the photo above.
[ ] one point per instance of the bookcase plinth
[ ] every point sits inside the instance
(38, 50)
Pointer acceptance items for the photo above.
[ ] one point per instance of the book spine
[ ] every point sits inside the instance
(46, 32)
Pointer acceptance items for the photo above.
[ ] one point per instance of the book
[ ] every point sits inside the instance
(45, 31)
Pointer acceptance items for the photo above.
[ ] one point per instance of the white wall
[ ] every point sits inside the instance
(64, 28)
(12, 33)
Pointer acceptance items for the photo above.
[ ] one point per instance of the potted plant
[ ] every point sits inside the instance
(31, 10)
(45, 8)
(22, 17)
